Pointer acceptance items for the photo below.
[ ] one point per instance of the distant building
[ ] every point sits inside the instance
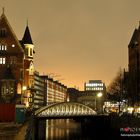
(73, 94)
(90, 97)
(95, 86)
(54, 91)
(38, 94)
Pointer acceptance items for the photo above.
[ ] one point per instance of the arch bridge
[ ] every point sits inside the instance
(64, 109)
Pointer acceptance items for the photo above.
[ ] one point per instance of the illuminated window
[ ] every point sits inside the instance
(2, 60)
(19, 88)
(3, 47)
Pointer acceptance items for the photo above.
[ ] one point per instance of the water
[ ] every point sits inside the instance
(63, 129)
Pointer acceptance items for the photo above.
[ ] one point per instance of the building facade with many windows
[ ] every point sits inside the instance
(38, 98)
(95, 86)
(54, 90)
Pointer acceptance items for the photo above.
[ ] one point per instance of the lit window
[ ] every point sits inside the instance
(3, 47)
(2, 60)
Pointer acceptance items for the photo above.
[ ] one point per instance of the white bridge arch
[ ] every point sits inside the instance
(65, 109)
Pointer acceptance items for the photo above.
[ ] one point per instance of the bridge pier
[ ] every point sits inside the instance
(39, 130)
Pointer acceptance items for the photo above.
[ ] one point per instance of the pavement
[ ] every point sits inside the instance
(12, 131)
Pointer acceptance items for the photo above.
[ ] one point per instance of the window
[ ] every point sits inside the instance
(19, 88)
(3, 32)
(31, 52)
(7, 88)
(2, 60)
(21, 74)
(13, 60)
(3, 47)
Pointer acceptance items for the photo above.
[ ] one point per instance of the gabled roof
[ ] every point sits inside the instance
(8, 75)
(3, 18)
(27, 39)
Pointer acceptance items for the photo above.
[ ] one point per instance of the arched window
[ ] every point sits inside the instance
(31, 69)
(19, 88)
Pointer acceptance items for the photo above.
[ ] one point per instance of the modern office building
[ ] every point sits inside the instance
(95, 86)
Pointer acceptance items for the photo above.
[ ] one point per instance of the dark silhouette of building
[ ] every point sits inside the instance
(134, 67)
(73, 94)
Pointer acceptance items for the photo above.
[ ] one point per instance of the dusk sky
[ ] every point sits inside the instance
(79, 40)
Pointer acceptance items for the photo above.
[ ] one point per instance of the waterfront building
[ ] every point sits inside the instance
(16, 64)
(38, 93)
(54, 91)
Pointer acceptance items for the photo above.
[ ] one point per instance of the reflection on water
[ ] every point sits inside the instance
(62, 129)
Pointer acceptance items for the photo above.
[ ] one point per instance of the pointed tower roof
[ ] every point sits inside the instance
(27, 39)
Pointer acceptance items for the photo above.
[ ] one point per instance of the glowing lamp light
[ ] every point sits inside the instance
(27, 104)
(24, 88)
(99, 94)
(130, 109)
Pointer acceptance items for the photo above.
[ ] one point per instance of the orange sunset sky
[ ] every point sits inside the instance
(76, 40)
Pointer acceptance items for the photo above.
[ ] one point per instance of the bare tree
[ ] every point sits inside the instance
(115, 87)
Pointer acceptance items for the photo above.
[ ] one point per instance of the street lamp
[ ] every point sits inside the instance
(98, 95)
(24, 88)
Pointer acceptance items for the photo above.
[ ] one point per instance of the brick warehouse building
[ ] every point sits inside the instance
(16, 64)
(20, 84)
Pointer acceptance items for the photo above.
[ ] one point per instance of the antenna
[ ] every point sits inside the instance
(52, 75)
(60, 79)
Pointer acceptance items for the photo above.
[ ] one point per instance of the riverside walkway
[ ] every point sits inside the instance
(12, 131)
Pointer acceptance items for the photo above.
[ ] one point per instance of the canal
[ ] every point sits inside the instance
(70, 129)
(63, 129)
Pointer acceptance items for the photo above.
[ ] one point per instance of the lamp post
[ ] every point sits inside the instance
(98, 95)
